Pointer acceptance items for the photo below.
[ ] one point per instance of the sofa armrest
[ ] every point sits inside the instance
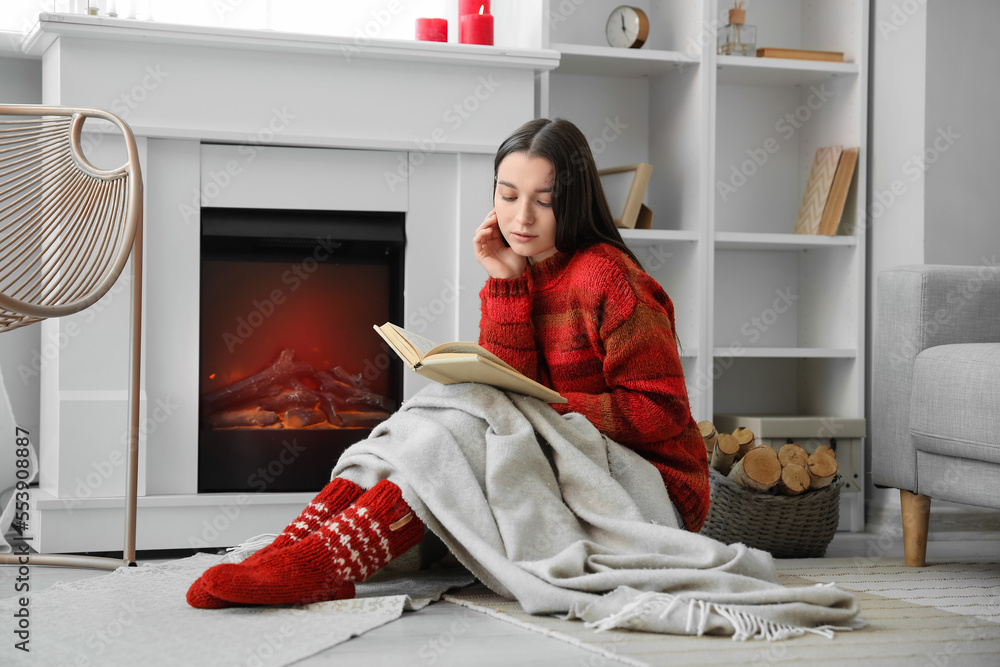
(918, 307)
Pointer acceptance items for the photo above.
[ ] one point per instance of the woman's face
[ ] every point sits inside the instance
(523, 201)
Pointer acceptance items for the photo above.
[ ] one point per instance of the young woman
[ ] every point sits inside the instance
(568, 305)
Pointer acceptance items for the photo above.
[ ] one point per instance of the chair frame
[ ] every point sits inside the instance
(135, 215)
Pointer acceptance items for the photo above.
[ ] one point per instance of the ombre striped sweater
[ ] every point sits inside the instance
(600, 331)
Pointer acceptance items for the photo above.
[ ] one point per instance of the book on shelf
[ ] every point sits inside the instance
(838, 192)
(455, 362)
(824, 168)
(801, 54)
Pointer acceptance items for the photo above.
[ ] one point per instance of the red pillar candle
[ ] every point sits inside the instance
(476, 28)
(466, 7)
(432, 30)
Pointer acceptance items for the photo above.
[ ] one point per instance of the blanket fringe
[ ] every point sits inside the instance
(247, 548)
(745, 626)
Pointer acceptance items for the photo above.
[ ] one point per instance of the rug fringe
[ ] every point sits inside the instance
(745, 626)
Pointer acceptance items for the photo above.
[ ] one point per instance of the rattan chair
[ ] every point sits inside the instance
(67, 229)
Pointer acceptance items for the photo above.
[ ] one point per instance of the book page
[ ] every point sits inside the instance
(418, 343)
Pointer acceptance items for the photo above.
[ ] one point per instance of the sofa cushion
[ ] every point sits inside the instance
(955, 403)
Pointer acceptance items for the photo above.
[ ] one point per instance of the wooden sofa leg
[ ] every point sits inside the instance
(916, 511)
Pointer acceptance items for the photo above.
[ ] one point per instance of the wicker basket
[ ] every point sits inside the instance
(785, 526)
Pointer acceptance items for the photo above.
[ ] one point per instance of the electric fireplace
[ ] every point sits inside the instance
(290, 371)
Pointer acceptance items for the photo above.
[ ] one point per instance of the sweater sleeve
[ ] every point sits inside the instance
(505, 326)
(646, 402)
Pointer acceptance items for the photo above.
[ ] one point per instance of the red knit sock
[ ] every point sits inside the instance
(349, 548)
(331, 501)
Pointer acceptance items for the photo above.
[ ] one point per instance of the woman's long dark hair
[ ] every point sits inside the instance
(582, 214)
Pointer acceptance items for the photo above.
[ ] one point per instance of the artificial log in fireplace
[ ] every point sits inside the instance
(291, 372)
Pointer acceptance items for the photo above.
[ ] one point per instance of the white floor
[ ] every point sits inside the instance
(445, 635)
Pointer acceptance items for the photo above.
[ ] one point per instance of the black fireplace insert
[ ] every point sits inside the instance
(290, 371)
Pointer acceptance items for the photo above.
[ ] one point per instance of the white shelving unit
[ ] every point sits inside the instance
(771, 322)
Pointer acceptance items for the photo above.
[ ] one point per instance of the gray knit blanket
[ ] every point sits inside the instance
(544, 509)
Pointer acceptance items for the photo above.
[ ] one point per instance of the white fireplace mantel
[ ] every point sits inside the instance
(305, 122)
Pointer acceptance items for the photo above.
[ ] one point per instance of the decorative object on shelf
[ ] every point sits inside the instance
(625, 188)
(814, 199)
(627, 27)
(92, 8)
(466, 7)
(432, 30)
(113, 8)
(801, 54)
(834, 208)
(476, 27)
(737, 38)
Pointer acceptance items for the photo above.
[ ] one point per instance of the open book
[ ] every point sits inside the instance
(451, 363)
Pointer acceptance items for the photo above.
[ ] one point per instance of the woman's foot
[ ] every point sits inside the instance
(331, 501)
(347, 549)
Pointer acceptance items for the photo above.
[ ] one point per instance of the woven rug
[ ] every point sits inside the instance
(138, 616)
(943, 615)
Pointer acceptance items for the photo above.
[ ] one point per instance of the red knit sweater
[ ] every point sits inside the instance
(600, 331)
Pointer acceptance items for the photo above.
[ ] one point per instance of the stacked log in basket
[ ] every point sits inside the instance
(788, 471)
(784, 501)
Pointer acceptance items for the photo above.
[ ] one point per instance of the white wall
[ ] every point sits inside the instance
(961, 133)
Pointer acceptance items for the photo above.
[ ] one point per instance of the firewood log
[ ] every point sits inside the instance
(726, 449)
(268, 382)
(794, 479)
(746, 438)
(243, 418)
(300, 397)
(822, 469)
(709, 435)
(792, 453)
(302, 417)
(759, 470)
(826, 449)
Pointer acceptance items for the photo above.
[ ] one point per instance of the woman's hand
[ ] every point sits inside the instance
(496, 256)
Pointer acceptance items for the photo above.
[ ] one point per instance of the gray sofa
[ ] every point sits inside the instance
(935, 422)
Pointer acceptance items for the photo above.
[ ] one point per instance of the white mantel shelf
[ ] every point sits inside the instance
(225, 85)
(50, 26)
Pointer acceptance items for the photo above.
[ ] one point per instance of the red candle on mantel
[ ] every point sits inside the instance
(476, 28)
(466, 7)
(432, 30)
